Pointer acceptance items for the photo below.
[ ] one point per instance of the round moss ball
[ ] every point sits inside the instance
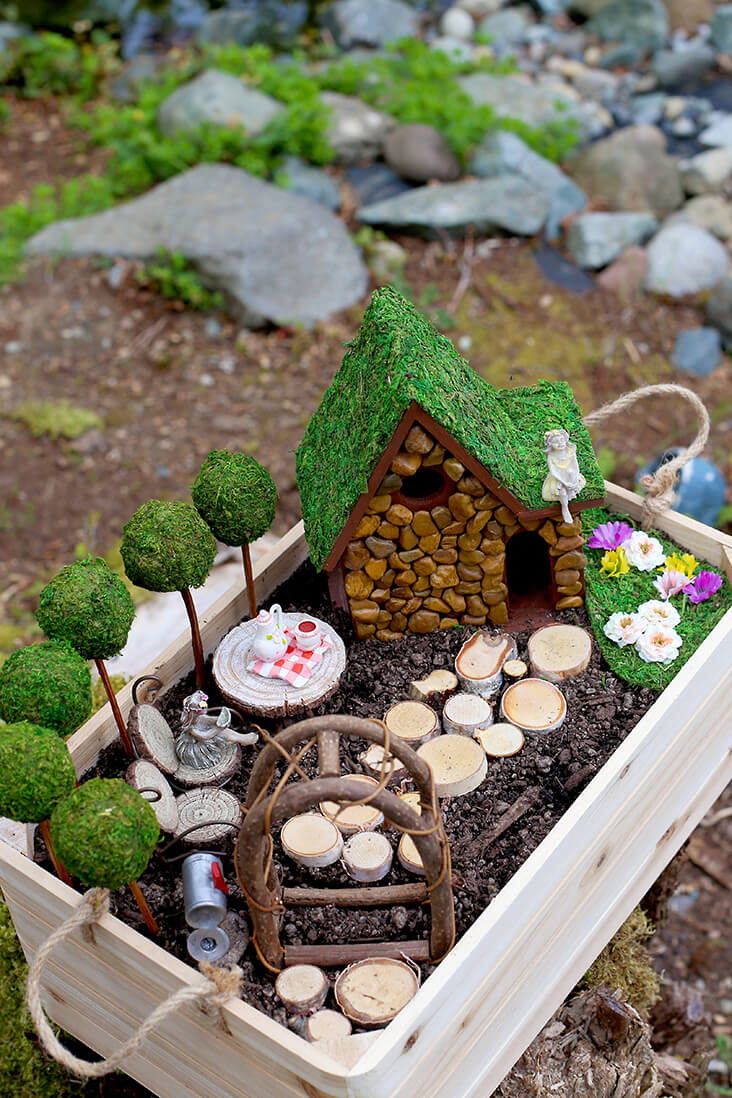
(236, 496)
(36, 772)
(104, 832)
(88, 605)
(48, 684)
(167, 546)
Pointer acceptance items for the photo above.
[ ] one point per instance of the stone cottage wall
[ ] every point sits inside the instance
(417, 569)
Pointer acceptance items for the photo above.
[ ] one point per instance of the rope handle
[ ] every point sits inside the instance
(660, 485)
(221, 985)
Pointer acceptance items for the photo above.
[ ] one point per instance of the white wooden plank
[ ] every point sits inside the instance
(702, 540)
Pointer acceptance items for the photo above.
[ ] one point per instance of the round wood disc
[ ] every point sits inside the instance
(514, 669)
(367, 856)
(302, 988)
(327, 1025)
(143, 775)
(312, 840)
(349, 817)
(154, 740)
(535, 705)
(413, 799)
(372, 992)
(558, 652)
(458, 764)
(500, 740)
(373, 760)
(413, 721)
(228, 765)
(478, 663)
(274, 697)
(463, 713)
(214, 810)
(408, 856)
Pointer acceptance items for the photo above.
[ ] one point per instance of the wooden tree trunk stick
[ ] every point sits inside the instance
(61, 871)
(380, 895)
(479, 845)
(329, 754)
(112, 698)
(195, 638)
(145, 911)
(250, 580)
(336, 956)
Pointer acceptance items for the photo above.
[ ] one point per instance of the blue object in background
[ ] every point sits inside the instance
(700, 487)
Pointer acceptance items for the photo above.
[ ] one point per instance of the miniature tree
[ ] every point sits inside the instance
(168, 547)
(48, 684)
(105, 833)
(36, 772)
(237, 497)
(88, 605)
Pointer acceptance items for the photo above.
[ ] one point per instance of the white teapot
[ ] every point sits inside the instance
(270, 641)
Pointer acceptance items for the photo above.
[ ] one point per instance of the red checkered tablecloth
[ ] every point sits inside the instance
(296, 666)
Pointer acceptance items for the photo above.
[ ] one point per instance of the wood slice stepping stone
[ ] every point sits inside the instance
(500, 740)
(275, 697)
(143, 776)
(408, 856)
(464, 714)
(302, 988)
(154, 740)
(367, 856)
(373, 761)
(478, 663)
(327, 1025)
(214, 812)
(372, 992)
(558, 652)
(311, 840)
(350, 817)
(535, 705)
(412, 721)
(458, 764)
(435, 689)
(513, 670)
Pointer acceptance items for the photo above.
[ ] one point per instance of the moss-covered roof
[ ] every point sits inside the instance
(398, 357)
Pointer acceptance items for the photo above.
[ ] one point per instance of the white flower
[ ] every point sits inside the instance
(625, 628)
(659, 644)
(644, 553)
(655, 612)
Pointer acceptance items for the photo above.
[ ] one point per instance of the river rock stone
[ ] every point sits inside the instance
(503, 152)
(630, 171)
(279, 257)
(506, 28)
(457, 23)
(219, 99)
(687, 65)
(697, 351)
(718, 134)
(721, 35)
(456, 48)
(355, 130)
(369, 22)
(719, 309)
(639, 23)
(684, 259)
(707, 172)
(710, 212)
(420, 153)
(310, 182)
(505, 203)
(689, 14)
(513, 97)
(595, 239)
(625, 277)
(274, 22)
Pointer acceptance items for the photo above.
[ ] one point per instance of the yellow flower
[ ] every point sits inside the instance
(686, 563)
(615, 562)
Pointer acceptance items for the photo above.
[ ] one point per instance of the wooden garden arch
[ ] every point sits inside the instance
(259, 879)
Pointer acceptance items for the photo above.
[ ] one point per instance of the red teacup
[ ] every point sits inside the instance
(307, 633)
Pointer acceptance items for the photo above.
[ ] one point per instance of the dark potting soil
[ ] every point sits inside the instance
(601, 711)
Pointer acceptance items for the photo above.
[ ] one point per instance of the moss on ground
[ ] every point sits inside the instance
(624, 963)
(55, 418)
(606, 595)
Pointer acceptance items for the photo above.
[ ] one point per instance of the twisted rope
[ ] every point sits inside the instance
(221, 985)
(660, 485)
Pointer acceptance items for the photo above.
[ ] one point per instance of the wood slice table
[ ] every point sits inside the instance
(265, 697)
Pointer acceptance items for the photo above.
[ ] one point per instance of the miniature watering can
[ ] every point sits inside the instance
(270, 641)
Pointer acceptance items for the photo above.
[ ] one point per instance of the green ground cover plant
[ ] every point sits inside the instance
(55, 418)
(171, 275)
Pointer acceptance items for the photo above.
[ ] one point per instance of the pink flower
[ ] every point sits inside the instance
(643, 552)
(670, 583)
(659, 644)
(624, 628)
(655, 612)
(609, 535)
(703, 587)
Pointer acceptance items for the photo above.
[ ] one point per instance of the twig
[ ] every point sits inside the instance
(478, 847)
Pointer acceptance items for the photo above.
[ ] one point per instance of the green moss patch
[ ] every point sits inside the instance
(48, 684)
(235, 496)
(87, 605)
(167, 546)
(624, 963)
(398, 357)
(55, 418)
(605, 596)
(36, 771)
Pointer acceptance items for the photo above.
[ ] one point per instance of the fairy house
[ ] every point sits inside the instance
(421, 485)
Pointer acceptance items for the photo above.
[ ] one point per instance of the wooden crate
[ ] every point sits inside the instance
(480, 1009)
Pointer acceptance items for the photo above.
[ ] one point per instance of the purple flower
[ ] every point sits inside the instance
(609, 535)
(703, 586)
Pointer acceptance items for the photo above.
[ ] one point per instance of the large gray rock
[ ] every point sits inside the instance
(506, 28)
(710, 212)
(355, 130)
(219, 99)
(311, 182)
(277, 256)
(274, 22)
(718, 135)
(595, 239)
(420, 153)
(504, 203)
(630, 171)
(512, 97)
(697, 351)
(502, 152)
(707, 172)
(684, 259)
(719, 309)
(722, 29)
(369, 22)
(639, 23)
(675, 68)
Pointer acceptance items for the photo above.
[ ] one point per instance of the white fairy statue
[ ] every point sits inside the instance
(564, 480)
(200, 743)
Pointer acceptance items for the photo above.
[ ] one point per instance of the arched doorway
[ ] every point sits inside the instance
(528, 573)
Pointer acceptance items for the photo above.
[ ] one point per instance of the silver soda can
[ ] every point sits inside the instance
(204, 890)
(208, 943)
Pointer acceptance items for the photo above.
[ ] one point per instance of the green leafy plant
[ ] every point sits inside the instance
(724, 1052)
(171, 275)
(51, 63)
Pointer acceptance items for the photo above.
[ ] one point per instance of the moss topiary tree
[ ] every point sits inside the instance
(105, 833)
(48, 684)
(168, 547)
(36, 772)
(237, 497)
(88, 605)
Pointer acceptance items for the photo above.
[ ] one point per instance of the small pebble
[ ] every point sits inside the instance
(207, 380)
(13, 347)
